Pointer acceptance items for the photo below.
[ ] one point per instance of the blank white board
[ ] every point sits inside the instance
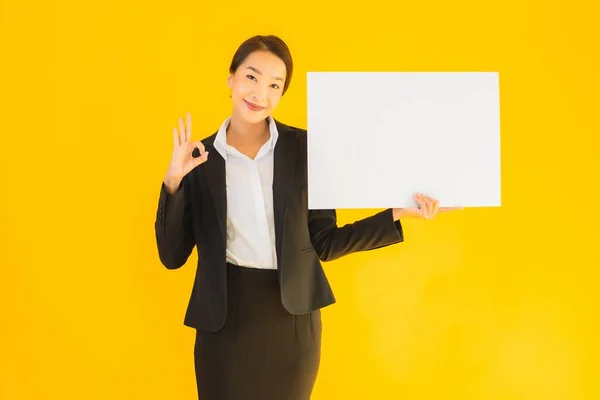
(376, 138)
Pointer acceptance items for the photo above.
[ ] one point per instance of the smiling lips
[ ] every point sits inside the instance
(253, 106)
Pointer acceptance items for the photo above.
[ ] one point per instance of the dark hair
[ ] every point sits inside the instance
(269, 43)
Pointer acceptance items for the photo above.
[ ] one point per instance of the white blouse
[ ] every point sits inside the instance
(250, 224)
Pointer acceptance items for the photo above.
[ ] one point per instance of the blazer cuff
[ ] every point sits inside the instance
(170, 206)
(396, 233)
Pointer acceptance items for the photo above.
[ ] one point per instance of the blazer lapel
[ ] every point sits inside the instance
(215, 177)
(284, 169)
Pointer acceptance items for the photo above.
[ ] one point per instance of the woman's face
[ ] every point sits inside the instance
(257, 86)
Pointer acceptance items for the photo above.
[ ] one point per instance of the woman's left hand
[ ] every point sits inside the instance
(427, 209)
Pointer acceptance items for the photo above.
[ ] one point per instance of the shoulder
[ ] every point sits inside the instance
(287, 129)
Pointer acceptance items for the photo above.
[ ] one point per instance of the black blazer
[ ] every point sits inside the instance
(196, 216)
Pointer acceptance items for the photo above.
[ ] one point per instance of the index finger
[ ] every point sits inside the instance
(199, 149)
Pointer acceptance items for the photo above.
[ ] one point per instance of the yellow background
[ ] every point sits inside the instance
(487, 303)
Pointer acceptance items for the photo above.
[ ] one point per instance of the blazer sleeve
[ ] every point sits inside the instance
(332, 242)
(173, 226)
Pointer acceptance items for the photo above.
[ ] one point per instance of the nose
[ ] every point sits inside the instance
(260, 94)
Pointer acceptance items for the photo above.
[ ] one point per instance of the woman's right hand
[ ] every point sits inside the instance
(182, 161)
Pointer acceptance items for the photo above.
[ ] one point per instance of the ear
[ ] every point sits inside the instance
(229, 80)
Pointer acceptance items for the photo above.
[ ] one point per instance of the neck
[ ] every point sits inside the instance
(240, 131)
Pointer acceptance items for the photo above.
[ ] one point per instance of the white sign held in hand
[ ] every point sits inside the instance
(376, 138)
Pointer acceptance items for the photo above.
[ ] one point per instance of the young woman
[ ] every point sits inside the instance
(240, 197)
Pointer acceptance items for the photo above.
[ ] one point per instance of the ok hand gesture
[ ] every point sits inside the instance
(182, 161)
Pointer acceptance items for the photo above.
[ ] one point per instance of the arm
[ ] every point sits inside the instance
(332, 242)
(173, 226)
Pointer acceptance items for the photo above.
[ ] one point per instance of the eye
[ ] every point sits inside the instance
(275, 86)
(251, 77)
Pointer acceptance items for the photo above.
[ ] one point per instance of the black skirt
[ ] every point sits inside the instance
(263, 352)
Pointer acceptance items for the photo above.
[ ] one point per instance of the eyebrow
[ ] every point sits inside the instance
(260, 73)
